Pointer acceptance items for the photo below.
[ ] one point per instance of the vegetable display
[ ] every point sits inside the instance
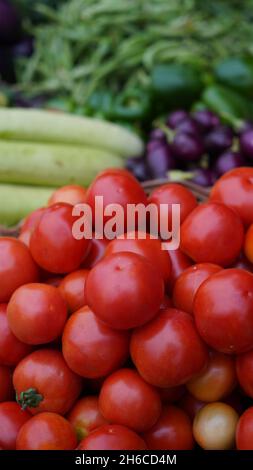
(120, 344)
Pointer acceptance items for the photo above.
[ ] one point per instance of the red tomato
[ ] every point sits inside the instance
(216, 381)
(32, 219)
(179, 262)
(244, 370)
(37, 313)
(16, 267)
(244, 431)
(117, 187)
(112, 437)
(52, 243)
(223, 310)
(91, 348)
(150, 248)
(6, 388)
(96, 252)
(171, 394)
(172, 431)
(54, 386)
(85, 416)
(190, 405)
(173, 193)
(46, 431)
(212, 233)
(168, 350)
(130, 290)
(11, 349)
(248, 246)
(71, 194)
(188, 283)
(235, 189)
(72, 289)
(12, 418)
(125, 398)
(25, 236)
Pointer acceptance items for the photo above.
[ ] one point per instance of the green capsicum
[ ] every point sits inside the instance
(236, 73)
(227, 103)
(132, 105)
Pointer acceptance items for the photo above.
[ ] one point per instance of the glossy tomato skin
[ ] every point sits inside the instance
(130, 290)
(179, 263)
(11, 349)
(52, 243)
(37, 313)
(12, 418)
(248, 246)
(126, 399)
(72, 289)
(217, 380)
(46, 371)
(112, 437)
(148, 247)
(172, 431)
(210, 228)
(244, 370)
(168, 350)
(90, 347)
(6, 387)
(244, 431)
(46, 431)
(85, 416)
(32, 219)
(16, 267)
(71, 194)
(223, 310)
(173, 193)
(188, 283)
(96, 251)
(117, 187)
(235, 189)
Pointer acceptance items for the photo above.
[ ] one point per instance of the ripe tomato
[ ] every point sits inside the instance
(37, 313)
(85, 416)
(168, 350)
(31, 220)
(6, 388)
(12, 418)
(112, 437)
(52, 243)
(16, 267)
(90, 347)
(172, 431)
(190, 405)
(46, 431)
(223, 310)
(216, 381)
(173, 193)
(96, 252)
(210, 228)
(11, 349)
(248, 246)
(244, 431)
(116, 186)
(214, 426)
(130, 290)
(244, 370)
(188, 283)
(235, 189)
(148, 247)
(72, 289)
(125, 398)
(25, 237)
(179, 262)
(72, 194)
(49, 383)
(171, 394)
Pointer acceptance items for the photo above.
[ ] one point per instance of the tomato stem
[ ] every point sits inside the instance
(29, 398)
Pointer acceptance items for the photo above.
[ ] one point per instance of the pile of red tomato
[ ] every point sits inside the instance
(120, 344)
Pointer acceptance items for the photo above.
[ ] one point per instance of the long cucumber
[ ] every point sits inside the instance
(16, 201)
(47, 126)
(52, 164)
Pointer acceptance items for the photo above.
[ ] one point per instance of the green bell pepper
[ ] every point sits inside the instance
(132, 105)
(236, 73)
(227, 103)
